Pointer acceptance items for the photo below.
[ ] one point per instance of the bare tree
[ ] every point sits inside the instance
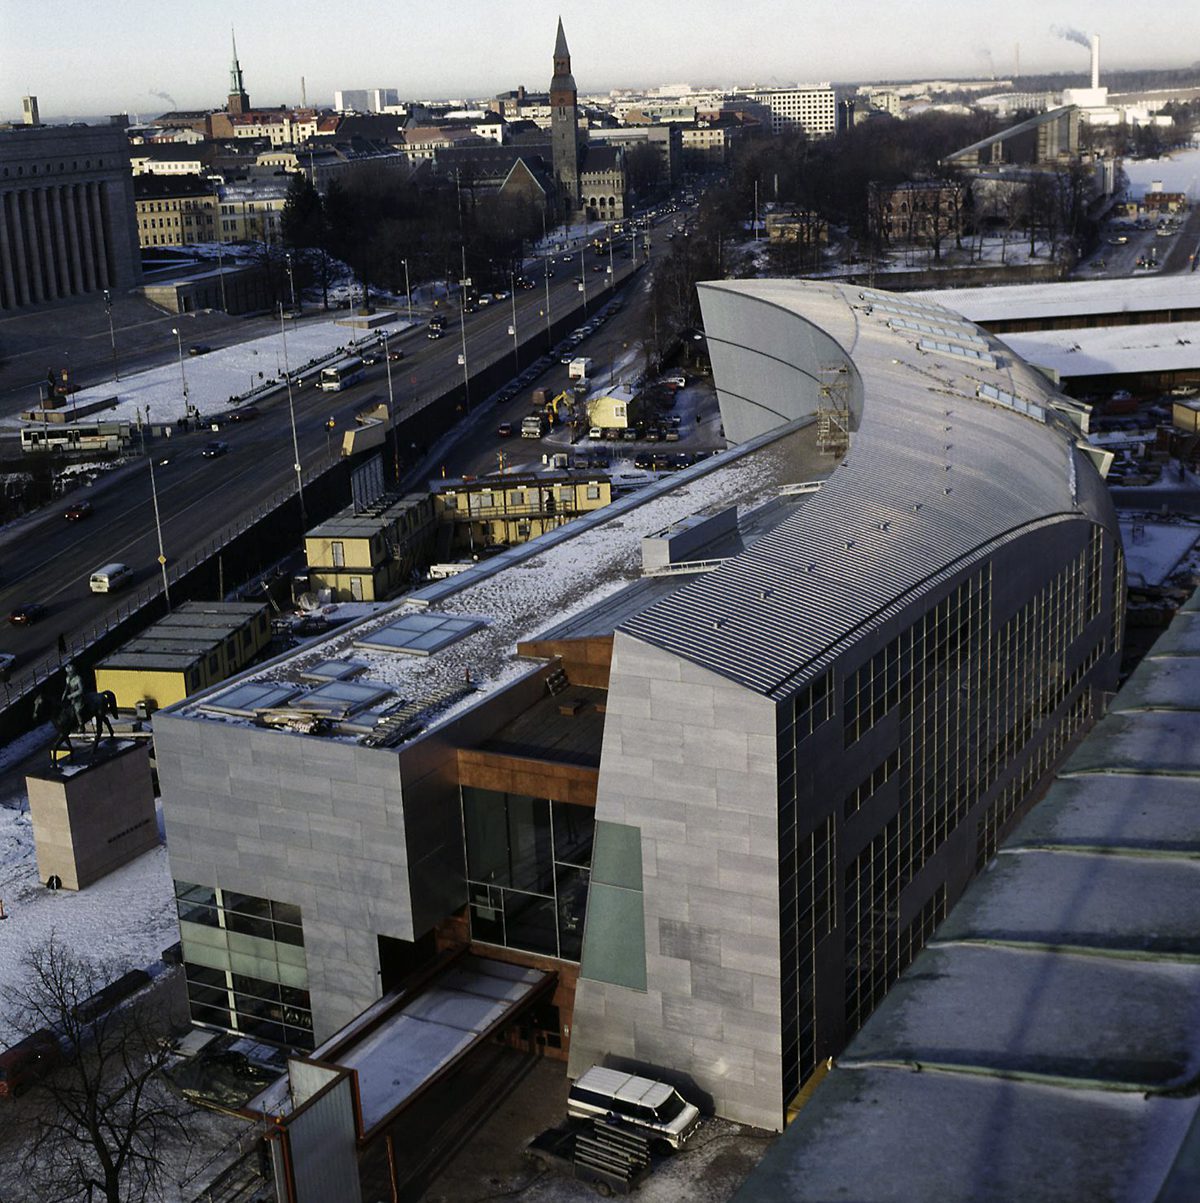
(108, 1113)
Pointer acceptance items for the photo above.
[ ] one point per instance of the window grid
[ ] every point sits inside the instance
(867, 788)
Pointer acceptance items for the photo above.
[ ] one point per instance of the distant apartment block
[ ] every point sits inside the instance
(366, 100)
(812, 108)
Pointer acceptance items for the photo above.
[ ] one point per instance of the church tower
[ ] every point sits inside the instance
(564, 125)
(239, 102)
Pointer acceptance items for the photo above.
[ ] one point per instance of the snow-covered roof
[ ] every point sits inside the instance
(1029, 302)
(1112, 350)
(522, 593)
(1053, 1016)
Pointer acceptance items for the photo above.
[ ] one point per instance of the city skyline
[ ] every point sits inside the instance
(475, 50)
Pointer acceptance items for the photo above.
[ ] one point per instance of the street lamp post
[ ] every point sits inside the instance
(463, 285)
(612, 277)
(287, 375)
(387, 361)
(546, 276)
(512, 283)
(112, 337)
(182, 373)
(407, 290)
(221, 277)
(162, 558)
(291, 279)
(583, 280)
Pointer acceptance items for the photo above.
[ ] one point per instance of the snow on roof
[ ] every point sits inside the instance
(538, 585)
(1153, 549)
(214, 378)
(1025, 302)
(1053, 1015)
(1112, 350)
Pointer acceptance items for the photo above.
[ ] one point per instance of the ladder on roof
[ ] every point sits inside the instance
(833, 410)
(410, 718)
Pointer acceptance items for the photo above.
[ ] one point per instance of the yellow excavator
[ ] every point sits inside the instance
(560, 408)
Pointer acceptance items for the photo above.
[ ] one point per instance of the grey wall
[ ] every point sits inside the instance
(316, 823)
(689, 759)
(766, 362)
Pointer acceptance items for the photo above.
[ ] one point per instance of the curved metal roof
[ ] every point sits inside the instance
(935, 475)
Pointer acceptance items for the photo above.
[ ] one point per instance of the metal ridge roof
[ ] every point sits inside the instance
(933, 475)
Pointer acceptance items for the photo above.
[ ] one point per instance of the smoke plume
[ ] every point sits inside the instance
(164, 96)
(1071, 35)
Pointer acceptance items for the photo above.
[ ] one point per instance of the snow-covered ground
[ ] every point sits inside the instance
(124, 920)
(1179, 172)
(1153, 550)
(216, 379)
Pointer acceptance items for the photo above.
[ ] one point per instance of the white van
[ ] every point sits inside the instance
(654, 1107)
(110, 578)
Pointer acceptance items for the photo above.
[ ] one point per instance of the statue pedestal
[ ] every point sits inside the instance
(90, 819)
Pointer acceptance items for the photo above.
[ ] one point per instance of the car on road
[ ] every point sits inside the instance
(7, 660)
(434, 332)
(245, 414)
(370, 357)
(1118, 240)
(27, 614)
(504, 430)
(78, 511)
(199, 349)
(395, 356)
(214, 449)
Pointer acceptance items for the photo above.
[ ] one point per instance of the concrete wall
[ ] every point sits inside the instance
(316, 823)
(689, 760)
(89, 821)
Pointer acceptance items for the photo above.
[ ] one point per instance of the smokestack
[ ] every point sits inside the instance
(1095, 60)
(1017, 65)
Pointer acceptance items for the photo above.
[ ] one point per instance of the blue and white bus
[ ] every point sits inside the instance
(342, 375)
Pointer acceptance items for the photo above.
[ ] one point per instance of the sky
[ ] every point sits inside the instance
(91, 57)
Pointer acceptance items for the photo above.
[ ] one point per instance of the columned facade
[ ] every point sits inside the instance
(67, 225)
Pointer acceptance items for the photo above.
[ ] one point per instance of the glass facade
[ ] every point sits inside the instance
(528, 864)
(245, 965)
(955, 711)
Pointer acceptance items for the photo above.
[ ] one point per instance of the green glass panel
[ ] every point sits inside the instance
(614, 943)
(201, 933)
(293, 975)
(202, 954)
(252, 966)
(617, 856)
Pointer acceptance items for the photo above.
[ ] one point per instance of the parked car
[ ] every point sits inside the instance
(78, 511)
(26, 615)
(214, 449)
(199, 349)
(504, 430)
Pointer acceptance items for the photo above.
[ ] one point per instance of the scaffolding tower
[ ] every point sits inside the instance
(833, 410)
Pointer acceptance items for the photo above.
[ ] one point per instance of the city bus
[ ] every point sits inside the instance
(81, 438)
(341, 375)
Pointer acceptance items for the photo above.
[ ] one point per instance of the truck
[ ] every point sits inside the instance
(579, 369)
(534, 426)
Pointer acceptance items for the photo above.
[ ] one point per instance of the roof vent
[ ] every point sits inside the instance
(849, 544)
(884, 525)
(946, 490)
(718, 623)
(763, 594)
(948, 467)
(812, 568)
(916, 506)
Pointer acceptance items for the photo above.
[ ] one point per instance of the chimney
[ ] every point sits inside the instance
(1095, 60)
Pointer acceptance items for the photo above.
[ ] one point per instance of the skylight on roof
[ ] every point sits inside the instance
(249, 697)
(420, 634)
(342, 697)
(941, 348)
(962, 335)
(332, 670)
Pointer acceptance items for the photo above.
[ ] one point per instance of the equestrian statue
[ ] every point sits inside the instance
(75, 710)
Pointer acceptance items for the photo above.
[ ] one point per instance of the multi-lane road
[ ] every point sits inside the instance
(46, 559)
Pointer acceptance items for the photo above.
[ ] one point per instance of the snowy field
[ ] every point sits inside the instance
(125, 920)
(1179, 172)
(217, 379)
(1153, 550)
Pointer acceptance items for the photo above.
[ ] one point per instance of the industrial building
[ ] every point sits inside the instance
(718, 757)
